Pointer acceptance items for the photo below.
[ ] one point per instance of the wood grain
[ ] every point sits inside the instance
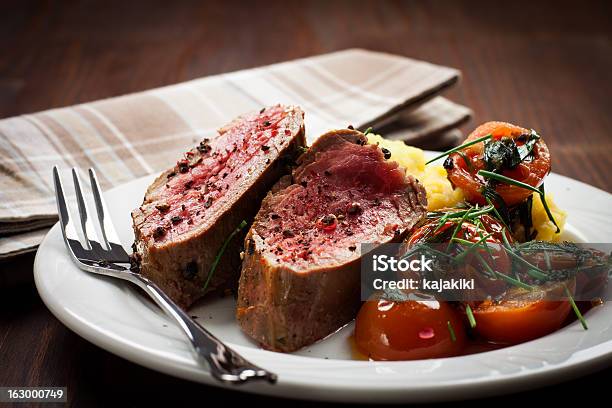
(544, 65)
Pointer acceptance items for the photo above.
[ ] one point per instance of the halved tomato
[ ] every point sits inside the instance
(409, 330)
(463, 167)
(523, 315)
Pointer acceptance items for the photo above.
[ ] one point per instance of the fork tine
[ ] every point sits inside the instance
(68, 231)
(108, 230)
(86, 224)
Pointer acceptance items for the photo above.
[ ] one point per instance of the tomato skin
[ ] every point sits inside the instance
(464, 175)
(470, 232)
(516, 321)
(427, 231)
(408, 330)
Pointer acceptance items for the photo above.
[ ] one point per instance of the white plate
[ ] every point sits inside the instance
(112, 315)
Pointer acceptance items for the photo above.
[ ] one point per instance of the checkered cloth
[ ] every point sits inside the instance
(131, 136)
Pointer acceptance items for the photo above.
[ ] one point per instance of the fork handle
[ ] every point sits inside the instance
(225, 364)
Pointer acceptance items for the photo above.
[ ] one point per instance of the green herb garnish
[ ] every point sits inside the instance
(368, 131)
(527, 149)
(472, 245)
(242, 224)
(458, 227)
(501, 154)
(507, 278)
(545, 205)
(508, 180)
(459, 214)
(467, 161)
(470, 316)
(451, 331)
(576, 310)
(461, 147)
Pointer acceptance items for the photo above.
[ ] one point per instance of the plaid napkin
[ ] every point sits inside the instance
(131, 136)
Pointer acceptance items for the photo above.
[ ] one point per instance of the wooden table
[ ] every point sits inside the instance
(541, 65)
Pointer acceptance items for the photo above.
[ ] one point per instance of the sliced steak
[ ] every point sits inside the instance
(191, 209)
(300, 276)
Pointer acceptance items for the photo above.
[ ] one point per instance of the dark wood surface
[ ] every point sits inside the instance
(544, 65)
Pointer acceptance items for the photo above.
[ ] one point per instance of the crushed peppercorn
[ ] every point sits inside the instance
(159, 232)
(163, 207)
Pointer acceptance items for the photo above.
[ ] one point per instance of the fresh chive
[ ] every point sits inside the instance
(471, 247)
(507, 180)
(508, 246)
(497, 214)
(537, 274)
(451, 331)
(505, 239)
(576, 310)
(507, 278)
(459, 214)
(497, 200)
(461, 147)
(513, 281)
(467, 161)
(545, 205)
(368, 131)
(415, 249)
(533, 270)
(242, 224)
(457, 228)
(547, 260)
(441, 223)
(470, 316)
(511, 181)
(480, 227)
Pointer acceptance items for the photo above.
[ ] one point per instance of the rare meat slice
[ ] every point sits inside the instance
(300, 276)
(192, 209)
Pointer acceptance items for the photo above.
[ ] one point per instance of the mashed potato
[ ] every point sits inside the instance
(546, 229)
(440, 193)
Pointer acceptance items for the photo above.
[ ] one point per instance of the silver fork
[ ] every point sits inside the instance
(106, 256)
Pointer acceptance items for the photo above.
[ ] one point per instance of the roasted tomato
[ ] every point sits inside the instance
(495, 256)
(523, 315)
(409, 330)
(463, 167)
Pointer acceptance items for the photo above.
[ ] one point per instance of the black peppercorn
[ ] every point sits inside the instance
(448, 163)
(159, 232)
(190, 270)
(163, 207)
